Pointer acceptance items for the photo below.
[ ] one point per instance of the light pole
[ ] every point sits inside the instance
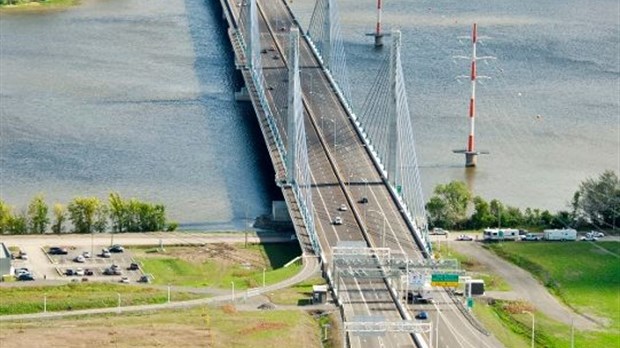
(232, 296)
(533, 325)
(572, 333)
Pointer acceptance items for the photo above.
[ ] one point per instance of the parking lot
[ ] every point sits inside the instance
(44, 265)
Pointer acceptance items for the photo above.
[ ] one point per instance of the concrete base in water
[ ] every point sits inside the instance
(242, 95)
(378, 40)
(471, 159)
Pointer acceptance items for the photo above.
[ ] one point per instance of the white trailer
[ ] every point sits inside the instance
(501, 234)
(563, 234)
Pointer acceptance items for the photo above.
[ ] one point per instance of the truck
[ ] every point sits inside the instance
(560, 234)
(498, 234)
(532, 237)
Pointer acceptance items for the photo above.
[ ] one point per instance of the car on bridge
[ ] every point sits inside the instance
(338, 220)
(422, 316)
(343, 207)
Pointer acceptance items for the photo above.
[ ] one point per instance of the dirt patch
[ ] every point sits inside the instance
(221, 253)
(229, 309)
(261, 327)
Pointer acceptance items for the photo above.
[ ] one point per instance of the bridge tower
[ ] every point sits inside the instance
(294, 103)
(394, 139)
(378, 34)
(298, 171)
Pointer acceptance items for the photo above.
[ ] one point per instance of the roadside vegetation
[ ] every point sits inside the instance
(219, 265)
(21, 4)
(585, 276)
(191, 327)
(299, 294)
(85, 215)
(595, 205)
(74, 296)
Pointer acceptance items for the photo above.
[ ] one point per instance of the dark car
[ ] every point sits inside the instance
(25, 276)
(88, 272)
(364, 200)
(116, 248)
(69, 272)
(58, 251)
(422, 316)
(133, 267)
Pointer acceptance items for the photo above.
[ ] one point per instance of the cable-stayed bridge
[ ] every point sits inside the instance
(350, 177)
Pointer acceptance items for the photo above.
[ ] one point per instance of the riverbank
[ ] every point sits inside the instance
(28, 5)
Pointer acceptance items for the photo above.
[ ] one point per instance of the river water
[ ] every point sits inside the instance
(137, 97)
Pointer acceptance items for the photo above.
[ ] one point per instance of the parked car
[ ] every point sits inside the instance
(124, 280)
(79, 272)
(338, 220)
(25, 276)
(597, 234)
(105, 253)
(23, 255)
(422, 315)
(20, 271)
(144, 279)
(464, 237)
(589, 239)
(133, 267)
(58, 251)
(69, 272)
(79, 259)
(112, 271)
(86, 254)
(116, 248)
(343, 207)
(439, 231)
(88, 272)
(364, 200)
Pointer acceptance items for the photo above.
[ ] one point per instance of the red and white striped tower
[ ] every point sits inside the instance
(378, 34)
(470, 155)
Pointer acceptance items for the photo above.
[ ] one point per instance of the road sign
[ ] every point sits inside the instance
(450, 280)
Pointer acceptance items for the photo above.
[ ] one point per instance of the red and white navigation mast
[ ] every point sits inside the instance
(378, 34)
(471, 154)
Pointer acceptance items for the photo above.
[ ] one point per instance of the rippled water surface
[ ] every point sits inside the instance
(137, 97)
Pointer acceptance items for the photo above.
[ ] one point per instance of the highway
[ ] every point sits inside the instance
(344, 173)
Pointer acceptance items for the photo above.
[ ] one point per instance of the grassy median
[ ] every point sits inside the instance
(74, 296)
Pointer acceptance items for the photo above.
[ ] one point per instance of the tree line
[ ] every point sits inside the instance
(596, 204)
(85, 215)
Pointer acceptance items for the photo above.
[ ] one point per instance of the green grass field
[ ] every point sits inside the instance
(192, 327)
(74, 296)
(585, 276)
(169, 268)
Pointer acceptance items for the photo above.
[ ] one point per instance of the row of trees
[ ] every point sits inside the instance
(85, 215)
(595, 204)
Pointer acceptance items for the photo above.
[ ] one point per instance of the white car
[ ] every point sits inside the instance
(124, 280)
(439, 231)
(86, 254)
(343, 207)
(596, 234)
(79, 259)
(79, 272)
(589, 238)
(338, 220)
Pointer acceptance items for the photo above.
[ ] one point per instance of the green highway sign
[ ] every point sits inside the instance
(446, 279)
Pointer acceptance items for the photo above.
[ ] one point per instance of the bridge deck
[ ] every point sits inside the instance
(343, 171)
